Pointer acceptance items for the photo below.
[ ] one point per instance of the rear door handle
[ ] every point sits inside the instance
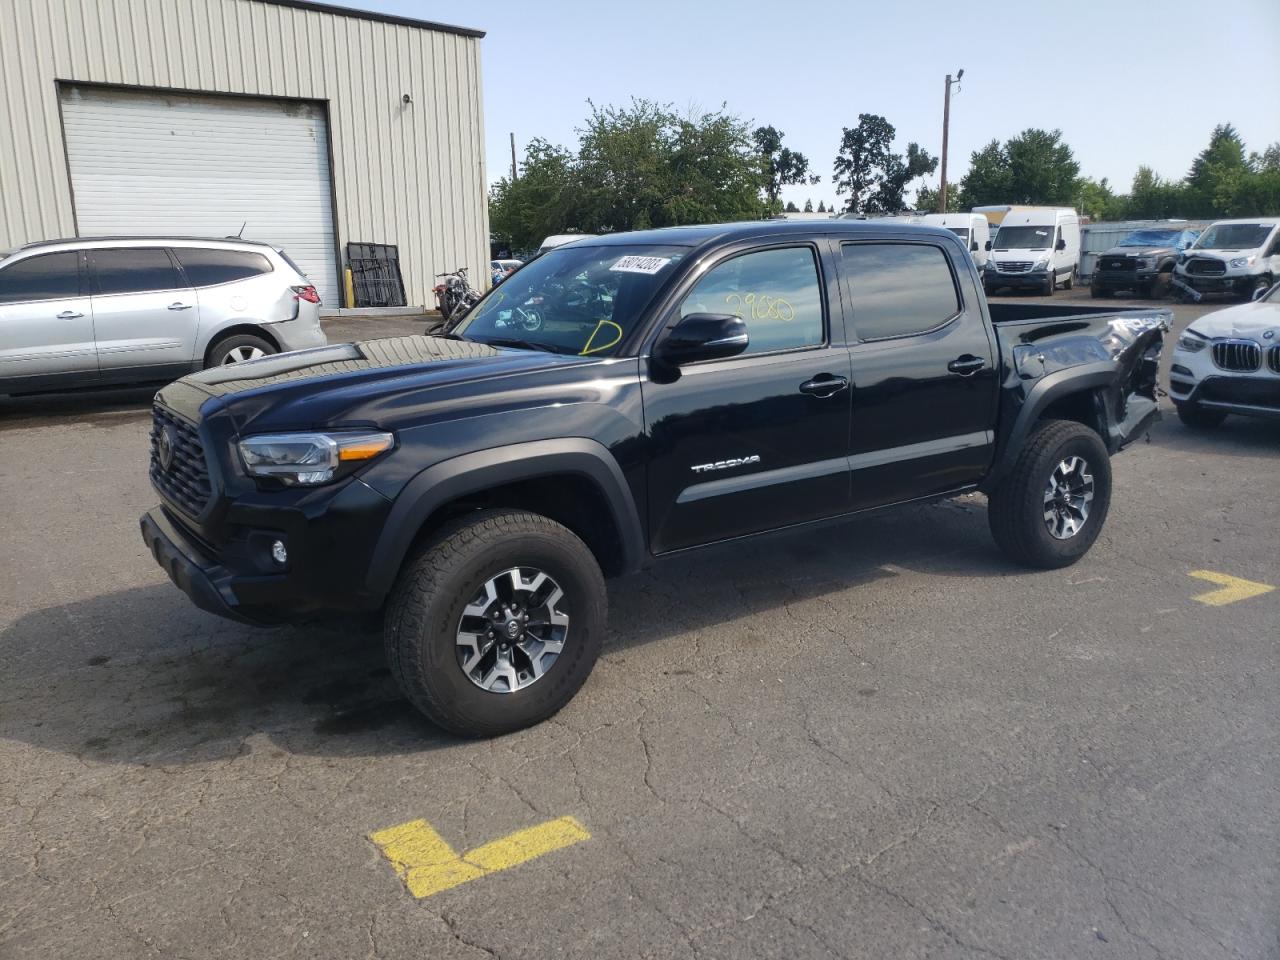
(966, 365)
(179, 306)
(824, 385)
(69, 315)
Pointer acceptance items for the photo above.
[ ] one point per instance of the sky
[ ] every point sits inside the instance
(1127, 83)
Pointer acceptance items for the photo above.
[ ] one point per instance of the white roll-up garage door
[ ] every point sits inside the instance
(173, 164)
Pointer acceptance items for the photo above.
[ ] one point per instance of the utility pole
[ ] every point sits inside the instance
(514, 176)
(946, 124)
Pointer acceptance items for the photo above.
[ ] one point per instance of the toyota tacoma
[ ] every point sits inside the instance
(621, 399)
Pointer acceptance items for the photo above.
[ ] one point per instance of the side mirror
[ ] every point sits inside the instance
(704, 336)
(1061, 244)
(988, 244)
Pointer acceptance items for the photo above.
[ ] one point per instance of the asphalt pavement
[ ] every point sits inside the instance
(875, 740)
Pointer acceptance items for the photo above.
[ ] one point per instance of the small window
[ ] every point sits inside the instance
(899, 289)
(133, 270)
(50, 276)
(776, 292)
(207, 267)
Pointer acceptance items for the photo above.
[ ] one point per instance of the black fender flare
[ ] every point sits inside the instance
(1088, 378)
(484, 469)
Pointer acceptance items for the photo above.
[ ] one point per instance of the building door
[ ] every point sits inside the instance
(165, 165)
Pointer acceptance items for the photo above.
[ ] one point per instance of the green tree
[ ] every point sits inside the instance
(1096, 199)
(808, 206)
(927, 199)
(1035, 167)
(783, 166)
(791, 207)
(987, 181)
(822, 206)
(545, 200)
(1219, 175)
(870, 172)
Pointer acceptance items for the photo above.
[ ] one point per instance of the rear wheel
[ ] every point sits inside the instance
(496, 623)
(239, 348)
(1198, 418)
(1052, 504)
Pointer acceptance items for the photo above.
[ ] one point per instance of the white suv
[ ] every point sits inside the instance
(98, 312)
(1228, 361)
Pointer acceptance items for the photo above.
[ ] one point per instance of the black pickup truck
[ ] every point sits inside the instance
(620, 399)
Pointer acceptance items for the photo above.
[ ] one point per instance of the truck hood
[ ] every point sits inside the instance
(348, 375)
(1251, 320)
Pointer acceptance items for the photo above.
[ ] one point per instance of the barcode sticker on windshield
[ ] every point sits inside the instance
(649, 265)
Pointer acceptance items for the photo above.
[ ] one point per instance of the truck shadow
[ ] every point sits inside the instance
(140, 677)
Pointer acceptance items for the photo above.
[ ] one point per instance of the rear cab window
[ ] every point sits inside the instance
(133, 270)
(899, 289)
(207, 267)
(46, 276)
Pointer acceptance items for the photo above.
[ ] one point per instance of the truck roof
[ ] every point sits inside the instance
(702, 234)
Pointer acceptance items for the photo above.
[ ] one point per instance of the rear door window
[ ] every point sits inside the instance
(899, 289)
(49, 276)
(133, 270)
(208, 267)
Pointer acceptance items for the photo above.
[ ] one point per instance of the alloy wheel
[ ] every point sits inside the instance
(512, 631)
(241, 354)
(1067, 497)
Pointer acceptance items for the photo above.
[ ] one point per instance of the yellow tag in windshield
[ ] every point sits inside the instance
(600, 325)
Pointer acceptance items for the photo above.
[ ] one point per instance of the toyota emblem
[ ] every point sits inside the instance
(164, 447)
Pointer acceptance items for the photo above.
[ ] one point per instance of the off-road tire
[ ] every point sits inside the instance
(1198, 418)
(436, 582)
(1097, 292)
(219, 352)
(1015, 508)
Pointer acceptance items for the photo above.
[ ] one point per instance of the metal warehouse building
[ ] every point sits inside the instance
(313, 126)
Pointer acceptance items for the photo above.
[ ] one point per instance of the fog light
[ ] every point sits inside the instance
(278, 552)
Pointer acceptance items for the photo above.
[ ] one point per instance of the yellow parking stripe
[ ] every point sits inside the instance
(1231, 590)
(428, 865)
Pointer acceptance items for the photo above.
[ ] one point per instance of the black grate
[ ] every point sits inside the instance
(1241, 355)
(184, 481)
(1119, 263)
(1206, 267)
(1273, 358)
(1013, 266)
(375, 275)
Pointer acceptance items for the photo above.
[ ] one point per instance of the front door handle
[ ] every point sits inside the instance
(69, 315)
(824, 385)
(966, 365)
(179, 306)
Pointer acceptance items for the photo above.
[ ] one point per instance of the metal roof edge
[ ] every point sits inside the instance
(359, 14)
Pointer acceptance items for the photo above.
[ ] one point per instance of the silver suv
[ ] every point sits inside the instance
(95, 312)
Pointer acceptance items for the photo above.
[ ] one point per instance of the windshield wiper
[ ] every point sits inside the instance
(519, 344)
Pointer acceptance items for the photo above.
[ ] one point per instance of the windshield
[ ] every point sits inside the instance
(1234, 236)
(961, 232)
(577, 300)
(1151, 238)
(1024, 238)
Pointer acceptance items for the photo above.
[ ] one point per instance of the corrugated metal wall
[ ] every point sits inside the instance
(409, 174)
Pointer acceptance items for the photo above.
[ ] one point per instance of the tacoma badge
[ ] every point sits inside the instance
(726, 464)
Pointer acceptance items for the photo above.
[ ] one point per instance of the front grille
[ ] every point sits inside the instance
(1273, 359)
(1206, 267)
(1119, 263)
(1239, 355)
(1013, 266)
(185, 482)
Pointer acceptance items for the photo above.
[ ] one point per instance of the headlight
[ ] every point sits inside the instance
(1191, 342)
(1239, 262)
(1041, 263)
(309, 459)
(1144, 263)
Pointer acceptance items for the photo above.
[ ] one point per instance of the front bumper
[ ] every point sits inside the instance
(1249, 396)
(1122, 279)
(1031, 280)
(1240, 286)
(228, 570)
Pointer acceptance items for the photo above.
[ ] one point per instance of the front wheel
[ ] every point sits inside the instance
(1052, 504)
(496, 623)
(1050, 282)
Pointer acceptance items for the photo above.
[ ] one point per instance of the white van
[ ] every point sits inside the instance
(972, 228)
(1036, 249)
(1240, 257)
(559, 240)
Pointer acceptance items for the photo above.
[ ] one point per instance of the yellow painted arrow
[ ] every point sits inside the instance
(427, 864)
(1231, 589)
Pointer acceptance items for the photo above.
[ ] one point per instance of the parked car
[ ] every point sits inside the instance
(1035, 249)
(1142, 262)
(690, 386)
(972, 228)
(1228, 362)
(99, 312)
(499, 270)
(1235, 257)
